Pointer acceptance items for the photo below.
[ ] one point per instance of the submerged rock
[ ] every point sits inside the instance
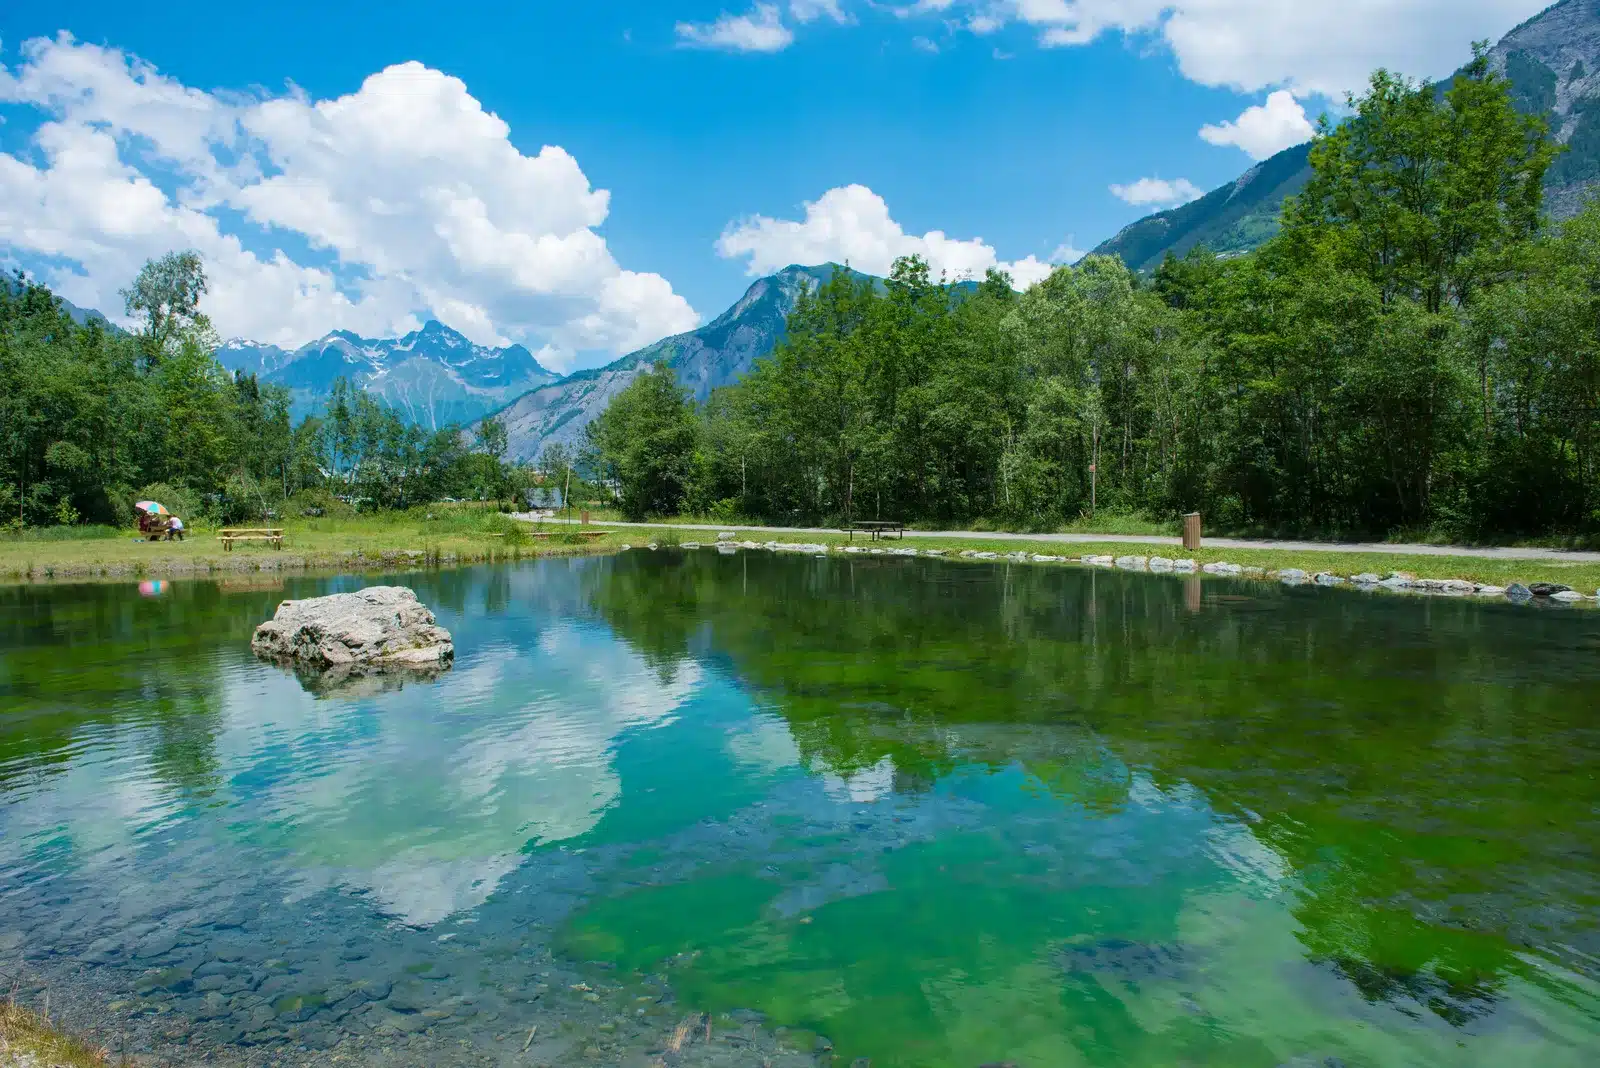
(349, 635)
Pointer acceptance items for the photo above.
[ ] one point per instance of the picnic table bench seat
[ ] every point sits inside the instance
(878, 528)
(272, 535)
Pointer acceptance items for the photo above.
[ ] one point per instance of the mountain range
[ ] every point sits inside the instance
(436, 377)
(1553, 63)
(433, 376)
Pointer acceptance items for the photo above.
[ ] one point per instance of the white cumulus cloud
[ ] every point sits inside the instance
(851, 224)
(811, 10)
(1067, 253)
(1265, 129)
(762, 30)
(411, 197)
(1312, 46)
(1158, 192)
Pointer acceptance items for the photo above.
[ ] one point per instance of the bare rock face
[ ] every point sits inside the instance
(379, 628)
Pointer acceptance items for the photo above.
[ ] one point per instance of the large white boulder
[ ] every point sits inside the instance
(381, 626)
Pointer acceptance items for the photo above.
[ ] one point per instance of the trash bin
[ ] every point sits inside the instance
(1191, 531)
(583, 518)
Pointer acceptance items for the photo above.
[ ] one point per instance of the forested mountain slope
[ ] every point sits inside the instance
(714, 355)
(1553, 62)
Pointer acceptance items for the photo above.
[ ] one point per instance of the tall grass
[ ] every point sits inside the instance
(84, 532)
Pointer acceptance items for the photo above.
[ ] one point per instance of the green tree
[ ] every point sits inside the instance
(165, 298)
(646, 440)
(1426, 193)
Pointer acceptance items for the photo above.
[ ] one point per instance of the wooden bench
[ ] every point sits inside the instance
(878, 528)
(272, 535)
(579, 533)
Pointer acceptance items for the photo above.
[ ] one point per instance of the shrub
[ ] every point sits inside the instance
(316, 504)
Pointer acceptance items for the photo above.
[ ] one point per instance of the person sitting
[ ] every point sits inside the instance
(174, 528)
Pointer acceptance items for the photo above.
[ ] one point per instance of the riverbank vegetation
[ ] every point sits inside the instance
(381, 541)
(1415, 354)
(28, 1040)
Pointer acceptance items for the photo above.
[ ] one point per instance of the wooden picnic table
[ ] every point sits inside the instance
(229, 535)
(878, 528)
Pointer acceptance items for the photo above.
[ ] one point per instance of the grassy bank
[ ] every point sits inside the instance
(27, 1040)
(388, 541)
(1581, 576)
(452, 536)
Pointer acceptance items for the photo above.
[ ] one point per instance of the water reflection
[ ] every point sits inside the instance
(945, 815)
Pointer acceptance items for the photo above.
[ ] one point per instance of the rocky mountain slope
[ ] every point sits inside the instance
(711, 356)
(433, 376)
(1553, 61)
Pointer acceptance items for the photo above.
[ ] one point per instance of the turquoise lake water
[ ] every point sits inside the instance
(687, 808)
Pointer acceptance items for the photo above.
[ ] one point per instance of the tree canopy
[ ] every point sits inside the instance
(1413, 353)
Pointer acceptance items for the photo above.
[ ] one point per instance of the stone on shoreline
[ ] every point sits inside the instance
(1132, 563)
(1548, 589)
(378, 627)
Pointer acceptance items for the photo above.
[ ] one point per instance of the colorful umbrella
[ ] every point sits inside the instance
(152, 507)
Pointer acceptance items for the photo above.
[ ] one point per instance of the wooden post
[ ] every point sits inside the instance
(1191, 531)
(583, 518)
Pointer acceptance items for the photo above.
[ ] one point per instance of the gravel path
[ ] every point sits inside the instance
(1388, 548)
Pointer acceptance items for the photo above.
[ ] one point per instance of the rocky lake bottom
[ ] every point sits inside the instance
(686, 808)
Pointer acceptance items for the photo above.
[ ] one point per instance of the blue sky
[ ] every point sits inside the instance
(340, 165)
